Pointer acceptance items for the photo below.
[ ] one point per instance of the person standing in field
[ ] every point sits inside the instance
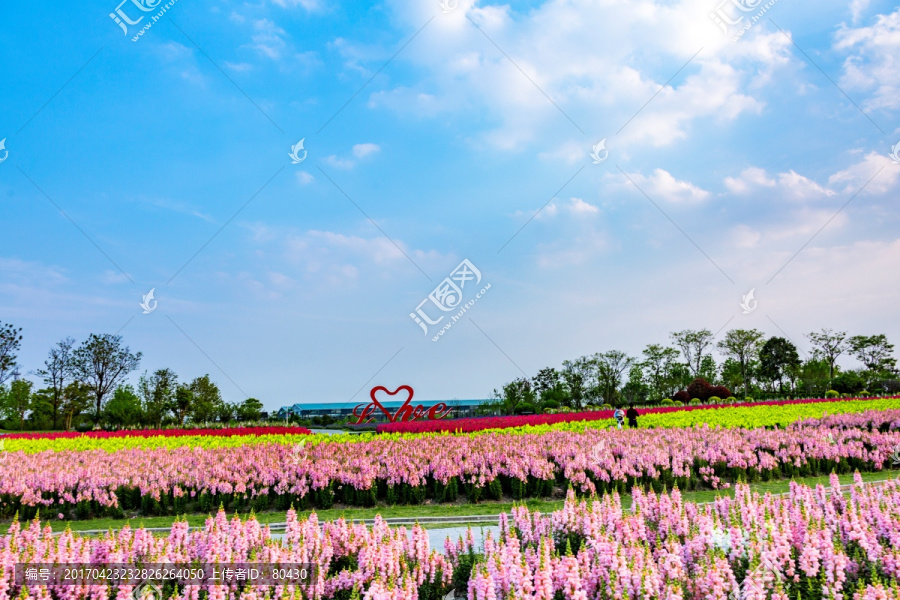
(632, 415)
(619, 416)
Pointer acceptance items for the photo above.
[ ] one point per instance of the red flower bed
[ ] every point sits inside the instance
(480, 423)
(224, 432)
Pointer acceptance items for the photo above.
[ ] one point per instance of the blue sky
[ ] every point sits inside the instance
(291, 282)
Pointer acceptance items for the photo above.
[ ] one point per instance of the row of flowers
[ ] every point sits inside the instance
(757, 414)
(811, 544)
(173, 432)
(439, 467)
(155, 438)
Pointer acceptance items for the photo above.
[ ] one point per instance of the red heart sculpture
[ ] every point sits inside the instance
(406, 412)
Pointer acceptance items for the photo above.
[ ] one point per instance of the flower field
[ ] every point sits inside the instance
(757, 414)
(810, 544)
(437, 467)
(144, 433)
(152, 438)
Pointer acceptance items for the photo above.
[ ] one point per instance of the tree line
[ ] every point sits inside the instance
(751, 365)
(84, 387)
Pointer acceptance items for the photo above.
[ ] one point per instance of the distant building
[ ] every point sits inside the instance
(458, 408)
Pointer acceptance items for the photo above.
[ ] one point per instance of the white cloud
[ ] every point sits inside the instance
(854, 177)
(575, 206)
(798, 187)
(749, 178)
(857, 8)
(555, 45)
(363, 150)
(338, 162)
(789, 185)
(307, 5)
(663, 186)
(580, 207)
(873, 64)
(304, 178)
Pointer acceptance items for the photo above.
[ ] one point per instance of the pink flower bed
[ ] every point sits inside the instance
(222, 432)
(810, 544)
(469, 425)
(411, 470)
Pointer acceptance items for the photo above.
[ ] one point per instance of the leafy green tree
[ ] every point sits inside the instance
(574, 374)
(730, 374)
(517, 391)
(18, 400)
(42, 412)
(103, 362)
(636, 390)
(658, 364)
(610, 368)
(183, 403)
(158, 396)
(548, 384)
(829, 345)
(57, 372)
(815, 376)
(76, 399)
(249, 410)
(207, 401)
(848, 382)
(693, 345)
(873, 351)
(124, 408)
(10, 341)
(778, 359)
(708, 369)
(743, 346)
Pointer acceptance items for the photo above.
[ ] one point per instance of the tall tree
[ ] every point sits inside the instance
(743, 346)
(18, 400)
(10, 341)
(184, 403)
(124, 408)
(658, 362)
(693, 345)
(102, 362)
(76, 399)
(778, 359)
(829, 345)
(158, 395)
(576, 374)
(874, 352)
(514, 394)
(612, 365)
(207, 400)
(57, 371)
(249, 410)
